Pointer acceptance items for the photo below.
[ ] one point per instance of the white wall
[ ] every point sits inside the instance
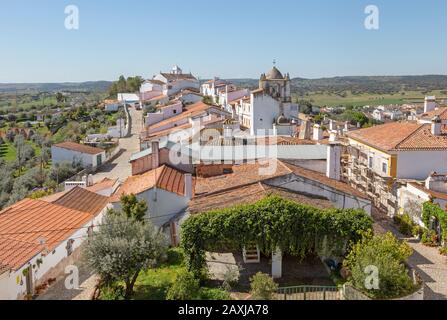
(340, 199)
(419, 164)
(162, 205)
(61, 155)
(265, 110)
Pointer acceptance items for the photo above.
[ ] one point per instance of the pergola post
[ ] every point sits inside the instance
(277, 264)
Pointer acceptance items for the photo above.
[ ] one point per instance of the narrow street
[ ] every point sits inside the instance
(120, 167)
(428, 262)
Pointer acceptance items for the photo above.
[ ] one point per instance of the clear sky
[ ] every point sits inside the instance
(231, 38)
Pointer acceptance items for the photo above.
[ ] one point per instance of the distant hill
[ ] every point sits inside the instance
(362, 84)
(90, 86)
(300, 86)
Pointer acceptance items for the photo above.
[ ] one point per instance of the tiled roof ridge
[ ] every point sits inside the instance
(421, 127)
(203, 195)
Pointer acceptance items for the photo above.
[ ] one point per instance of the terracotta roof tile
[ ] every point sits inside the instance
(164, 177)
(387, 136)
(441, 112)
(79, 147)
(243, 174)
(24, 224)
(423, 140)
(250, 194)
(83, 200)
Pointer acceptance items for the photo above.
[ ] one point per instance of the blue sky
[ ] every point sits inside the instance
(231, 38)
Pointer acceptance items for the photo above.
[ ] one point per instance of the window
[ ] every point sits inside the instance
(69, 247)
(385, 167)
(175, 111)
(371, 162)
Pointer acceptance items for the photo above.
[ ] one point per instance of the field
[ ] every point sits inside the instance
(332, 99)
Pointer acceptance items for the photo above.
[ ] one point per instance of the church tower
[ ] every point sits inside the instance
(276, 85)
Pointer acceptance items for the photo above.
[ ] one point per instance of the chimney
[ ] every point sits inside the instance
(333, 136)
(155, 154)
(89, 180)
(436, 125)
(333, 162)
(346, 129)
(318, 133)
(331, 125)
(430, 104)
(305, 130)
(188, 186)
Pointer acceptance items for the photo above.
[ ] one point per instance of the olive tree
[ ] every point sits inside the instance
(121, 248)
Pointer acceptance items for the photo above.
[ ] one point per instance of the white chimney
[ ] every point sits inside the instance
(436, 182)
(436, 125)
(155, 154)
(430, 104)
(318, 133)
(346, 129)
(333, 162)
(331, 125)
(188, 185)
(89, 180)
(333, 136)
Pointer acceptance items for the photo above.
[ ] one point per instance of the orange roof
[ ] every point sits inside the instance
(250, 194)
(385, 137)
(106, 183)
(156, 98)
(423, 140)
(441, 112)
(243, 174)
(164, 177)
(26, 223)
(191, 111)
(79, 147)
(83, 200)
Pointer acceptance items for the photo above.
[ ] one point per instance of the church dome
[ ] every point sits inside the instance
(274, 74)
(282, 120)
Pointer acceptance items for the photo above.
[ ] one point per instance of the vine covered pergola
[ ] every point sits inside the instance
(272, 223)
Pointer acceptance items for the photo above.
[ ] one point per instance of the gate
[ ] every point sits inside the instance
(308, 293)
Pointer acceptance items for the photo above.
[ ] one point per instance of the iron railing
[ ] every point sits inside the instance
(308, 293)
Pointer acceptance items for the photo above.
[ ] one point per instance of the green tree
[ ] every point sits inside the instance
(121, 248)
(132, 208)
(388, 256)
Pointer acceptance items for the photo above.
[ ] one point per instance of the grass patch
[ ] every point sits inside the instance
(8, 151)
(153, 284)
(332, 99)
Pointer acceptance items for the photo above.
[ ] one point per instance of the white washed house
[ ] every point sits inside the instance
(43, 238)
(70, 152)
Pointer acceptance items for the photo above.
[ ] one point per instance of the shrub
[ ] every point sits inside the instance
(443, 251)
(230, 278)
(113, 292)
(389, 256)
(406, 224)
(185, 287)
(214, 294)
(262, 286)
(430, 238)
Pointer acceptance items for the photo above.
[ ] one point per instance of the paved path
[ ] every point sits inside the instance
(85, 291)
(431, 266)
(120, 168)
